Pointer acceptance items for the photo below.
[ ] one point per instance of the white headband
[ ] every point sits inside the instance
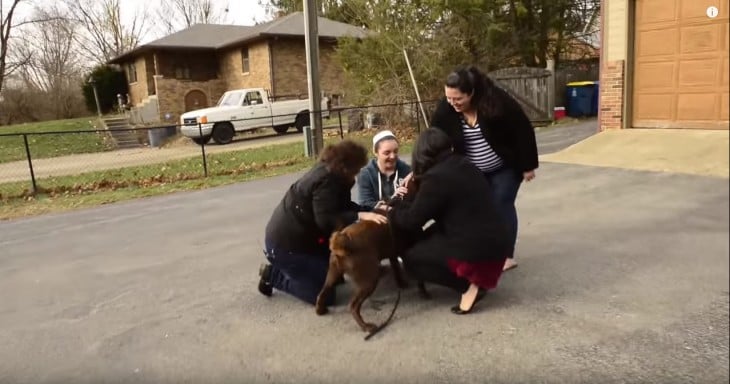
(382, 135)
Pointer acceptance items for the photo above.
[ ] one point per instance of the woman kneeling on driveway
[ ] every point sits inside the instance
(466, 247)
(297, 235)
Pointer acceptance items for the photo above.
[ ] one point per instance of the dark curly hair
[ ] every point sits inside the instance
(345, 158)
(432, 146)
(486, 97)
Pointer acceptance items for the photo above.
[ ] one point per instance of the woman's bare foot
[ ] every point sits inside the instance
(468, 298)
(509, 264)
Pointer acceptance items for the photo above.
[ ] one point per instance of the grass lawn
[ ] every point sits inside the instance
(45, 146)
(65, 193)
(66, 201)
(12, 148)
(334, 121)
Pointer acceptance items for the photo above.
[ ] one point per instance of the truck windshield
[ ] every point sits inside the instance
(230, 99)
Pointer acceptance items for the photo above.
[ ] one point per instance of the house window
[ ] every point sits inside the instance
(132, 73)
(182, 72)
(245, 62)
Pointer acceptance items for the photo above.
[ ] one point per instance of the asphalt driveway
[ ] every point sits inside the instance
(623, 277)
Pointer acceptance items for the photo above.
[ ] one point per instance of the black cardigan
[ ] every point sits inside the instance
(511, 134)
(313, 207)
(455, 194)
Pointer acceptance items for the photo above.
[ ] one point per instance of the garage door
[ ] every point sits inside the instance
(680, 77)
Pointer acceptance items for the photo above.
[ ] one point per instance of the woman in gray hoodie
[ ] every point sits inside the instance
(385, 176)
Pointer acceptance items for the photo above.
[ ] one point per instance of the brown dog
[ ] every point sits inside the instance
(357, 251)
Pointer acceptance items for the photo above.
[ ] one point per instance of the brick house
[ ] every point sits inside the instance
(664, 64)
(192, 68)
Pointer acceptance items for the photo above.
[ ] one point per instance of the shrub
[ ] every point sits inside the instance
(109, 82)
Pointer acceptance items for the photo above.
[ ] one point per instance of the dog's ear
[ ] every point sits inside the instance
(339, 224)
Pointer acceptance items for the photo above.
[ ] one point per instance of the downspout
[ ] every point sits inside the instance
(156, 69)
(271, 68)
(601, 62)
(628, 88)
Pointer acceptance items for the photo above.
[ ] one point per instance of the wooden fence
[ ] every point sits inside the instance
(534, 89)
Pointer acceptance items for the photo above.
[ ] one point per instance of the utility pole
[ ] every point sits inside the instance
(96, 95)
(311, 42)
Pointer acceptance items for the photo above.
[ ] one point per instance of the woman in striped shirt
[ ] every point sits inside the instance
(490, 128)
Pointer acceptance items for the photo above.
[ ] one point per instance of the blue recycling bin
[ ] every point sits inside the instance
(582, 99)
(594, 102)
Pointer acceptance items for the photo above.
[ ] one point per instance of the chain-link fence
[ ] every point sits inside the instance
(120, 156)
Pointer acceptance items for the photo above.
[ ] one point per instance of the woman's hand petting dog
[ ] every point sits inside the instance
(382, 210)
(400, 192)
(381, 207)
(372, 216)
(407, 180)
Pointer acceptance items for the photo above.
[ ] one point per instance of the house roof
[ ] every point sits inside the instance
(592, 38)
(216, 36)
(203, 36)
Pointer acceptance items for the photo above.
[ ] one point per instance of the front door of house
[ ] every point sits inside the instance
(195, 99)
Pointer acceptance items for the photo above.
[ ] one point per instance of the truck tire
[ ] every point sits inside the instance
(281, 129)
(301, 121)
(223, 133)
(201, 140)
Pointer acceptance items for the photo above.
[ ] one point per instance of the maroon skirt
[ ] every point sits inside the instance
(484, 274)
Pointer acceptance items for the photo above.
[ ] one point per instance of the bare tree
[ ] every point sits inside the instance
(174, 15)
(7, 25)
(54, 66)
(103, 33)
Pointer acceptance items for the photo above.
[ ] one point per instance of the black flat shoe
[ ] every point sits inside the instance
(265, 282)
(457, 309)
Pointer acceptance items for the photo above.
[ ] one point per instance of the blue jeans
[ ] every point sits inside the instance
(298, 274)
(505, 183)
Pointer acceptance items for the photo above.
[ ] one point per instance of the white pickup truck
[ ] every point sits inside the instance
(243, 110)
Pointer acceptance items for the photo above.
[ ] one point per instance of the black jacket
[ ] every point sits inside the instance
(511, 135)
(456, 195)
(313, 207)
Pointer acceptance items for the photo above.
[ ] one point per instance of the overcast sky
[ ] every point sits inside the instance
(241, 12)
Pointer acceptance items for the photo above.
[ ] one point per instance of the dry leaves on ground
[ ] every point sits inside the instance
(106, 184)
